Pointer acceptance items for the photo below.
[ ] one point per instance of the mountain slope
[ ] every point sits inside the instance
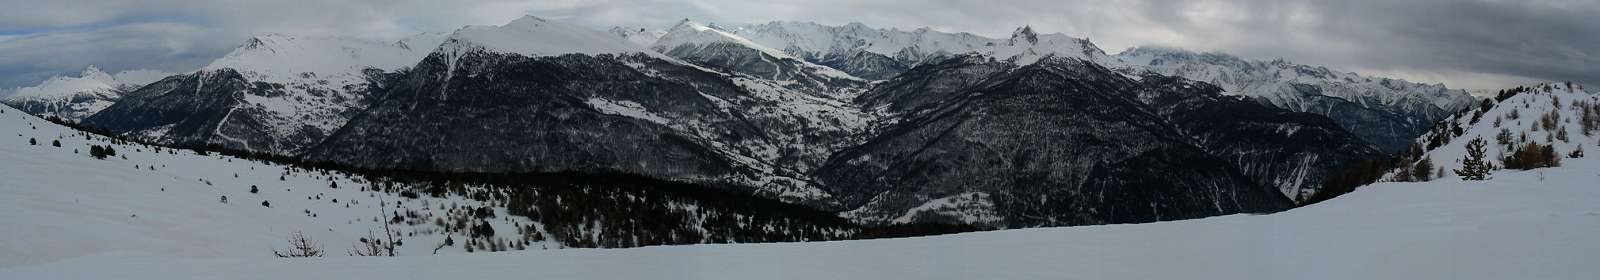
(1386, 112)
(476, 106)
(1291, 151)
(1069, 142)
(1561, 116)
(276, 93)
(74, 98)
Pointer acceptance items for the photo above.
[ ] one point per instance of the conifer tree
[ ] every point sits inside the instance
(1423, 171)
(1473, 167)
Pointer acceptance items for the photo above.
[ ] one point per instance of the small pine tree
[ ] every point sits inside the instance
(1423, 171)
(97, 152)
(253, 189)
(1473, 167)
(56, 143)
(264, 203)
(32, 142)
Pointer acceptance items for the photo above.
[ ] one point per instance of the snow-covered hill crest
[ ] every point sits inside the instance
(1560, 120)
(536, 37)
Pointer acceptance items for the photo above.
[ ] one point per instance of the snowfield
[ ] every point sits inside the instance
(67, 216)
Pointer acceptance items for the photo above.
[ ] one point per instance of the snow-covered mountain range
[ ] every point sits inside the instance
(802, 112)
(1386, 112)
(881, 53)
(74, 98)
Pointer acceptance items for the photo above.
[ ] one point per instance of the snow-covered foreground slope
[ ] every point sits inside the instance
(115, 222)
(58, 203)
(1550, 114)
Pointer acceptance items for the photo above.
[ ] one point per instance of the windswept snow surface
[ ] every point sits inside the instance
(57, 203)
(66, 216)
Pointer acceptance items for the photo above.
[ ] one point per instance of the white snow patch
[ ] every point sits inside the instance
(626, 108)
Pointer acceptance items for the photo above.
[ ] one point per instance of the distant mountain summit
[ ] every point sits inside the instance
(881, 53)
(75, 98)
(642, 36)
(275, 93)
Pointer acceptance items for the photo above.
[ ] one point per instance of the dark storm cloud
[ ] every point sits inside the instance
(1464, 43)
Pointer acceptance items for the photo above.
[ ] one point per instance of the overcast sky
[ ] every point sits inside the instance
(1463, 43)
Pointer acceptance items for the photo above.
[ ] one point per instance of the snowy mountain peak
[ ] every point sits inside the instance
(535, 36)
(688, 24)
(527, 22)
(277, 57)
(1024, 33)
(639, 36)
(73, 98)
(94, 72)
(421, 42)
(691, 33)
(819, 42)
